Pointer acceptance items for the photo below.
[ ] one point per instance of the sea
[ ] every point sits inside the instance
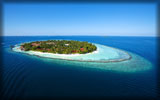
(28, 76)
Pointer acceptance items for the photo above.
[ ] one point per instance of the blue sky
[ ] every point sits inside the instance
(80, 19)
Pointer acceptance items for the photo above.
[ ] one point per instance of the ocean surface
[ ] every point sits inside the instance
(28, 76)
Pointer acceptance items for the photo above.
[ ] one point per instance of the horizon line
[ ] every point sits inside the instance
(87, 35)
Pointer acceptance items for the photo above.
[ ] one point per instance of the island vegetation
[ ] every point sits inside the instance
(60, 46)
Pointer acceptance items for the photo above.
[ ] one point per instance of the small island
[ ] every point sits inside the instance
(59, 46)
(73, 51)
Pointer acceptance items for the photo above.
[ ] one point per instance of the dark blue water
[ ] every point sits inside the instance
(26, 76)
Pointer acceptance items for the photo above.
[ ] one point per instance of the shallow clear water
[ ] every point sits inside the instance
(31, 76)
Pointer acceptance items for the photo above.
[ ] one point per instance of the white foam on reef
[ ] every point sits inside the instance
(102, 54)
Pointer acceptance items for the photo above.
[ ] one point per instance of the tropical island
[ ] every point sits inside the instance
(73, 51)
(59, 47)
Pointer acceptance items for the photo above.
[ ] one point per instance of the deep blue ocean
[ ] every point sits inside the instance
(26, 76)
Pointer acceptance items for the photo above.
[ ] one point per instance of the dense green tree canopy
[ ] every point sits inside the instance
(60, 46)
